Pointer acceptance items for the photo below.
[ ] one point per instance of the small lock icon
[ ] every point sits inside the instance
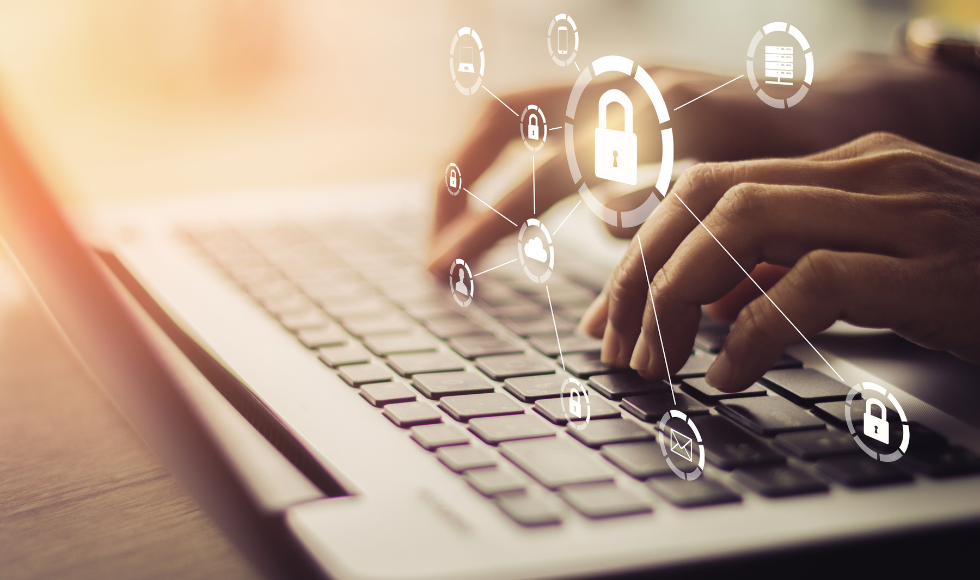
(876, 427)
(575, 402)
(452, 178)
(532, 127)
(615, 151)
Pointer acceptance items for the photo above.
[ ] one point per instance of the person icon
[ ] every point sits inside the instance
(461, 286)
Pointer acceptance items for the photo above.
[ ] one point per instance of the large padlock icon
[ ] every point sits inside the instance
(452, 178)
(875, 427)
(615, 151)
(532, 127)
(575, 402)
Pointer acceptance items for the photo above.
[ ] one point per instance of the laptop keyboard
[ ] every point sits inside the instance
(478, 387)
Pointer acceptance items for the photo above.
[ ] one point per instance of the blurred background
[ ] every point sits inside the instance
(142, 97)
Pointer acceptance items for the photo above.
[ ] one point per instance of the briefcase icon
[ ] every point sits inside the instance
(615, 151)
(682, 445)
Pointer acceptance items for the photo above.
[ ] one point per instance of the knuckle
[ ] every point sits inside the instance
(822, 275)
(706, 175)
(743, 202)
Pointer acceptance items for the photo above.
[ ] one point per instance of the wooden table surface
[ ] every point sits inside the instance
(81, 496)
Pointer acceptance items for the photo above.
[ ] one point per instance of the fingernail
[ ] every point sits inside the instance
(641, 354)
(720, 373)
(593, 316)
(610, 345)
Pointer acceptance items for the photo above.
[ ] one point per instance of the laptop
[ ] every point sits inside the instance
(356, 421)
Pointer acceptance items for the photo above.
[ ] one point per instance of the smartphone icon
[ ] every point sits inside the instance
(562, 40)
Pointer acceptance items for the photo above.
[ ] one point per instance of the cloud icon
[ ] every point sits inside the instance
(534, 249)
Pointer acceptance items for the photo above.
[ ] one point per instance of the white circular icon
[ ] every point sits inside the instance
(454, 179)
(578, 403)
(534, 127)
(779, 65)
(616, 150)
(563, 40)
(536, 251)
(875, 423)
(459, 274)
(681, 445)
(463, 55)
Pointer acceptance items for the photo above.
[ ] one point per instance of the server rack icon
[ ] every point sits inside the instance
(779, 64)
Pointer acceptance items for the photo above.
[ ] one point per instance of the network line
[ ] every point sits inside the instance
(553, 321)
(639, 242)
(501, 102)
(566, 217)
(488, 205)
(707, 93)
(495, 267)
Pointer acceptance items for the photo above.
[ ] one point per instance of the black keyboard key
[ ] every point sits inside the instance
(411, 414)
(779, 480)
(304, 320)
(599, 409)
(921, 438)
(494, 430)
(861, 471)
(392, 324)
(643, 459)
(499, 368)
(555, 462)
(491, 481)
(700, 388)
(529, 510)
(697, 493)
(344, 355)
(530, 389)
(381, 394)
(466, 407)
(459, 458)
(728, 447)
(603, 432)
(833, 412)
(433, 437)
(452, 328)
(357, 375)
(619, 385)
(603, 500)
(812, 445)
(696, 366)
(651, 408)
(319, 337)
(806, 386)
(769, 416)
(939, 463)
(587, 364)
(711, 339)
(408, 365)
(472, 347)
(386, 345)
(438, 385)
(570, 344)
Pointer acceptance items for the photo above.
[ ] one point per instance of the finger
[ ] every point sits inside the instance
(726, 308)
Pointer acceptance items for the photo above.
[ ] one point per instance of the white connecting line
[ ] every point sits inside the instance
(488, 205)
(655, 318)
(534, 193)
(566, 217)
(553, 321)
(704, 95)
(495, 267)
(501, 102)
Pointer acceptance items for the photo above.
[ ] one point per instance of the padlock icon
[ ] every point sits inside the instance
(875, 427)
(575, 402)
(532, 127)
(452, 178)
(615, 151)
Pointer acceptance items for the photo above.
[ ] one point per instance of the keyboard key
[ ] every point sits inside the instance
(603, 500)
(861, 471)
(696, 366)
(318, 337)
(432, 437)
(651, 408)
(529, 510)
(643, 459)
(304, 320)
(570, 344)
(357, 375)
(530, 389)
(539, 326)
(280, 305)
(700, 388)
(599, 409)
(779, 480)
(941, 463)
(428, 311)
(499, 368)
(385, 345)
(833, 412)
(787, 362)
(362, 306)
(438, 385)
(599, 433)
(362, 327)
(408, 365)
(811, 445)
(921, 438)
(495, 430)
(344, 355)
(769, 416)
(555, 462)
(452, 328)
(411, 414)
(619, 385)
(711, 339)
(381, 394)
(687, 494)
(728, 447)
(806, 386)
(466, 407)
(472, 347)
(587, 364)
(491, 481)
(459, 458)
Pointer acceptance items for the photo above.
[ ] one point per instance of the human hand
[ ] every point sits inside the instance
(880, 232)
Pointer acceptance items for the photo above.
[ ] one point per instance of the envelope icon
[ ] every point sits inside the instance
(682, 445)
